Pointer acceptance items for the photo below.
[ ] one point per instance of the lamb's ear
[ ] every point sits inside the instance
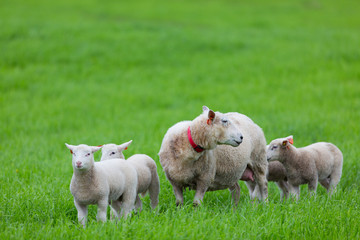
(70, 147)
(95, 149)
(284, 143)
(290, 139)
(211, 116)
(205, 109)
(124, 146)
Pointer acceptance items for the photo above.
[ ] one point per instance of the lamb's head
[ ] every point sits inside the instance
(278, 148)
(219, 129)
(110, 151)
(82, 156)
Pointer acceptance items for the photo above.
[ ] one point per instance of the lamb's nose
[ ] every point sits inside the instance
(241, 137)
(78, 163)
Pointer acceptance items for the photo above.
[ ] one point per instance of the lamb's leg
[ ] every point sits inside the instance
(178, 192)
(295, 191)
(312, 186)
(251, 186)
(82, 213)
(235, 193)
(154, 189)
(334, 179)
(116, 209)
(284, 189)
(325, 183)
(201, 188)
(101, 212)
(138, 203)
(128, 201)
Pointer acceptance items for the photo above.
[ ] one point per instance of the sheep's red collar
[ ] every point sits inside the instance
(196, 147)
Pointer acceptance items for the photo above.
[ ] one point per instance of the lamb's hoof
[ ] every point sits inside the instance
(178, 204)
(196, 204)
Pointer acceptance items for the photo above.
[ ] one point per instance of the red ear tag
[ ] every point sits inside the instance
(126, 148)
(208, 122)
(99, 145)
(291, 141)
(71, 152)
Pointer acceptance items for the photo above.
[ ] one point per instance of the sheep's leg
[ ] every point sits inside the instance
(261, 189)
(113, 213)
(82, 213)
(154, 189)
(325, 183)
(201, 189)
(178, 192)
(251, 186)
(284, 189)
(116, 208)
(312, 186)
(235, 193)
(101, 212)
(334, 179)
(295, 191)
(138, 203)
(128, 201)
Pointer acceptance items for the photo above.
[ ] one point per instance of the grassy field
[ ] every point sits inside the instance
(97, 72)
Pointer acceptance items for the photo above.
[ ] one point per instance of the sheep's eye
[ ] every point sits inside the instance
(112, 153)
(224, 121)
(274, 147)
(88, 154)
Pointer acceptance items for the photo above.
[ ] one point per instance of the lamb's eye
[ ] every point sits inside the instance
(88, 154)
(112, 153)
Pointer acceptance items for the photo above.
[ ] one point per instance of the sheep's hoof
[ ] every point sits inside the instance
(178, 204)
(196, 204)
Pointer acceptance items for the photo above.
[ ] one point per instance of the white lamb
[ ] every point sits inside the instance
(145, 166)
(101, 183)
(320, 161)
(196, 154)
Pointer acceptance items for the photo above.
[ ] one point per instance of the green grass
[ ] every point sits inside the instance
(96, 72)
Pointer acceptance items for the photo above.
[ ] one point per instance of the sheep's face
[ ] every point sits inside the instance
(222, 130)
(82, 156)
(277, 148)
(110, 151)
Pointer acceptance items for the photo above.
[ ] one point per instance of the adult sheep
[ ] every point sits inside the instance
(212, 153)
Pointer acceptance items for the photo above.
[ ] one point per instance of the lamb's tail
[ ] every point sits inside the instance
(154, 188)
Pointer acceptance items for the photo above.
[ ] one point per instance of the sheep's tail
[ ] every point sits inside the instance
(154, 187)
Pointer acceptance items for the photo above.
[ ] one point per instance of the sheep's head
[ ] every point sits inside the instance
(277, 148)
(82, 156)
(220, 129)
(110, 151)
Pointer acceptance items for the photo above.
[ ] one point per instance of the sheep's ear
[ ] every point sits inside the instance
(124, 146)
(290, 139)
(284, 143)
(70, 147)
(211, 116)
(205, 109)
(95, 149)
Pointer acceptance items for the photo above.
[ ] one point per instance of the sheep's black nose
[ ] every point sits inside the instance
(241, 137)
